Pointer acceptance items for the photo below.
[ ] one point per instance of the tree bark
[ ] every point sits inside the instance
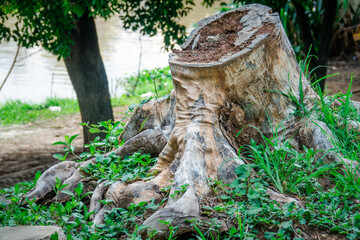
(326, 37)
(320, 41)
(87, 74)
(229, 75)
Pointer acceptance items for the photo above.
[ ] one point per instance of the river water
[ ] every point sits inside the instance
(38, 75)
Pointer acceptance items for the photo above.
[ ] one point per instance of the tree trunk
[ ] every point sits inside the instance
(326, 36)
(230, 74)
(323, 39)
(87, 74)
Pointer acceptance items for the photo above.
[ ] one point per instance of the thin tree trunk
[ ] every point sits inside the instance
(306, 36)
(11, 68)
(323, 39)
(305, 29)
(329, 7)
(87, 74)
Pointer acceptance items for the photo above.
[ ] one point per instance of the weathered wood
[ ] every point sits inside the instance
(229, 74)
(211, 94)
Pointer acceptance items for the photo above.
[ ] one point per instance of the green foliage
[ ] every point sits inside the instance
(97, 147)
(246, 207)
(74, 216)
(287, 169)
(157, 81)
(68, 147)
(50, 23)
(18, 112)
(113, 168)
(112, 131)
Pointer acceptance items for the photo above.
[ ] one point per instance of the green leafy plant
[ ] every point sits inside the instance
(111, 130)
(113, 168)
(157, 81)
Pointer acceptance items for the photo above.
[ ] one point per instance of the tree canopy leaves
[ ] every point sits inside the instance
(48, 23)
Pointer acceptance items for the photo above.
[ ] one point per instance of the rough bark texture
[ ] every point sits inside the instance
(87, 74)
(193, 131)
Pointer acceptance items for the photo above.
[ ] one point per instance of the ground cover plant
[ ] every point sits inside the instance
(329, 194)
(243, 205)
(289, 187)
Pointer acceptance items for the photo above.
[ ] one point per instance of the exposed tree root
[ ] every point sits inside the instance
(193, 131)
(317, 135)
(46, 182)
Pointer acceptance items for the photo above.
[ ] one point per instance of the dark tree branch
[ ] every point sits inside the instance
(11, 68)
(329, 8)
(303, 22)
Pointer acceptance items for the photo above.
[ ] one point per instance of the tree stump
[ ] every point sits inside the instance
(228, 75)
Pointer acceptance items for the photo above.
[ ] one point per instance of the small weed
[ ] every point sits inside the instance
(157, 81)
(113, 168)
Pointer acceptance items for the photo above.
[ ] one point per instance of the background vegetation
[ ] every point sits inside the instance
(157, 82)
(329, 192)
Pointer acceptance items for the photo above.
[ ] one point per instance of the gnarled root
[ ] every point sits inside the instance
(71, 173)
(315, 134)
(46, 183)
(211, 102)
(122, 195)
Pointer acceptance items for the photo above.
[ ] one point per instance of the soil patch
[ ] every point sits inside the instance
(340, 83)
(219, 38)
(26, 149)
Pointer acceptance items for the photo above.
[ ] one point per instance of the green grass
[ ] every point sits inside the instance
(19, 112)
(243, 204)
(73, 216)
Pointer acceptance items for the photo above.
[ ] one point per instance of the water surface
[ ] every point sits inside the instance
(37, 73)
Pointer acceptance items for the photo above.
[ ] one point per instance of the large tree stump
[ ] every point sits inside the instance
(223, 76)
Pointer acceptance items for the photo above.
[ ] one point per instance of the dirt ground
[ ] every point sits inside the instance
(26, 149)
(340, 83)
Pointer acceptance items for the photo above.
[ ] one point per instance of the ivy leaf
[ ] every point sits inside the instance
(254, 210)
(243, 171)
(253, 194)
(224, 197)
(59, 143)
(287, 224)
(269, 235)
(58, 156)
(68, 192)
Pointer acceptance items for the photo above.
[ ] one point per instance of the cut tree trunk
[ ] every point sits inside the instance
(228, 75)
(88, 76)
